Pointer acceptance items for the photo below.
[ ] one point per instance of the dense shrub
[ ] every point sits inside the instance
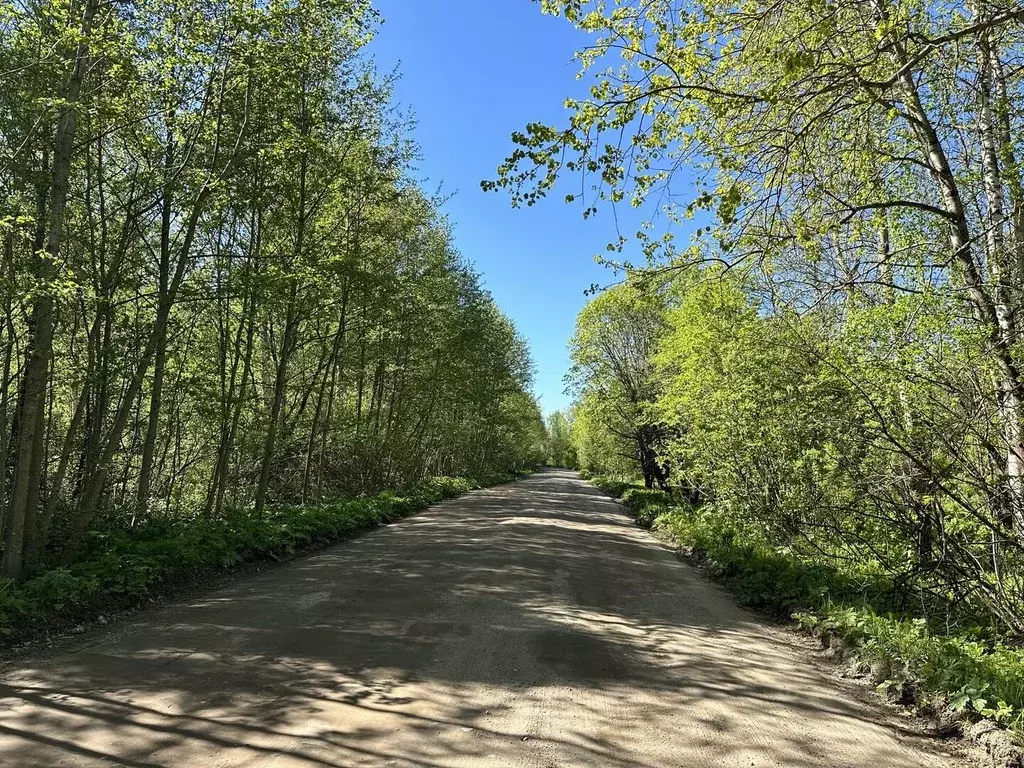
(647, 503)
(616, 486)
(978, 676)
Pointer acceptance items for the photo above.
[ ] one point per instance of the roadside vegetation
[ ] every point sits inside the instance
(970, 671)
(226, 303)
(123, 569)
(821, 391)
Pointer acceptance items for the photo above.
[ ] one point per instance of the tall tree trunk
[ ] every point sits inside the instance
(237, 403)
(234, 388)
(42, 528)
(10, 340)
(28, 473)
(160, 361)
(993, 311)
(328, 419)
(291, 322)
(96, 475)
(277, 402)
(325, 394)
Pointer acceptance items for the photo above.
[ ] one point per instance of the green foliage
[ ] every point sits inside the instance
(614, 427)
(245, 298)
(646, 503)
(810, 434)
(559, 447)
(983, 678)
(834, 382)
(121, 568)
(616, 485)
(833, 359)
(763, 575)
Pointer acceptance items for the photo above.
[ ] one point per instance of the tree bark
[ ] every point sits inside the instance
(35, 388)
(993, 311)
(160, 361)
(277, 403)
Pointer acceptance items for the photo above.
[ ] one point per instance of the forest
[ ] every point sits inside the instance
(820, 392)
(236, 327)
(224, 296)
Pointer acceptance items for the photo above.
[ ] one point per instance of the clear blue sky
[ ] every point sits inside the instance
(473, 71)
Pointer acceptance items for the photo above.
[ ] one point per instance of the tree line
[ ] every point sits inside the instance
(221, 285)
(833, 362)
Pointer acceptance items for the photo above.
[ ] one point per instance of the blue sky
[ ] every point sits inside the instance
(473, 71)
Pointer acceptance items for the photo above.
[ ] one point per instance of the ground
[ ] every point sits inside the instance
(526, 625)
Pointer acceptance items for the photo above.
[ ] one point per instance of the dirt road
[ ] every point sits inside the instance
(526, 625)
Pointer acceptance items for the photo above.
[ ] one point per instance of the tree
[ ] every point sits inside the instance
(855, 167)
(612, 355)
(223, 289)
(559, 449)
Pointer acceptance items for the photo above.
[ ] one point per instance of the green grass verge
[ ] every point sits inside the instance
(968, 672)
(122, 569)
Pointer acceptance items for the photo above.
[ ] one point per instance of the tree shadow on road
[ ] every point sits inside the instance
(525, 624)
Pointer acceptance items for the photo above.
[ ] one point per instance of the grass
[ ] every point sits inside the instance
(968, 672)
(122, 569)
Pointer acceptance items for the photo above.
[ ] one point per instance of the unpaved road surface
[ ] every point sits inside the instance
(526, 625)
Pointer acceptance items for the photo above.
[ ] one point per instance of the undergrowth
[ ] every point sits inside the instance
(976, 674)
(122, 569)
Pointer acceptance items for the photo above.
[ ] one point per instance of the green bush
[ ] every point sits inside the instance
(647, 504)
(982, 678)
(120, 568)
(760, 574)
(616, 486)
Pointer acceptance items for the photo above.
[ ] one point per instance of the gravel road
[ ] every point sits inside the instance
(526, 625)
